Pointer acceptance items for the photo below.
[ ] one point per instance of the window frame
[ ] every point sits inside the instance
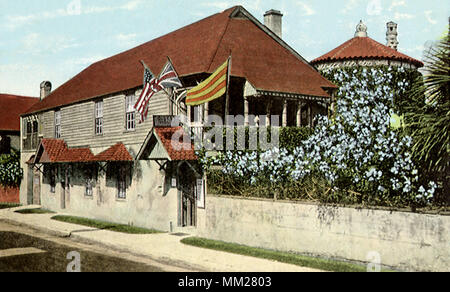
(130, 113)
(99, 114)
(53, 175)
(58, 124)
(89, 187)
(122, 182)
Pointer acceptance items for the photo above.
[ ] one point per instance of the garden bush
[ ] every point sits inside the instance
(10, 171)
(354, 157)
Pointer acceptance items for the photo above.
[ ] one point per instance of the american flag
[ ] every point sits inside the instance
(167, 79)
(150, 85)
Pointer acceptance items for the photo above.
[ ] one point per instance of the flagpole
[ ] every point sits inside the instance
(169, 96)
(227, 96)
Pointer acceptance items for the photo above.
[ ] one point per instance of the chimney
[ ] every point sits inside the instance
(46, 89)
(273, 19)
(391, 35)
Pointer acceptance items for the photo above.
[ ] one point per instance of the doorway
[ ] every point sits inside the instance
(65, 187)
(187, 184)
(36, 187)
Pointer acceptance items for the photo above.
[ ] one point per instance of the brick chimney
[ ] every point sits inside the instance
(273, 19)
(46, 89)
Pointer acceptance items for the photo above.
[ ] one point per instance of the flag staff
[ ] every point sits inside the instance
(227, 96)
(168, 95)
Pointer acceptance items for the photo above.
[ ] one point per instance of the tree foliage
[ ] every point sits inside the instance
(429, 122)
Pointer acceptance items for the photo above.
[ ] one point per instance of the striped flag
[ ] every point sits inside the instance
(169, 77)
(149, 90)
(212, 88)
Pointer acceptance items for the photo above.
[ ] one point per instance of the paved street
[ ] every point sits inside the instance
(163, 251)
(26, 250)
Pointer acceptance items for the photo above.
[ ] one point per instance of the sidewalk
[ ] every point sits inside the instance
(163, 247)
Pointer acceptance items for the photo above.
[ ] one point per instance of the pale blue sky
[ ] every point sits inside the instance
(56, 39)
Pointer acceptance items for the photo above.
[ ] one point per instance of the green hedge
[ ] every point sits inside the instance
(290, 137)
(10, 171)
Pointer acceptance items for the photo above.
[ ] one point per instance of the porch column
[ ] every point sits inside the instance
(299, 114)
(246, 110)
(285, 110)
(188, 113)
(310, 119)
(206, 113)
(268, 113)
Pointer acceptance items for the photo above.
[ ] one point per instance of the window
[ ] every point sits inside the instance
(130, 119)
(122, 182)
(99, 118)
(89, 191)
(53, 173)
(58, 124)
(31, 139)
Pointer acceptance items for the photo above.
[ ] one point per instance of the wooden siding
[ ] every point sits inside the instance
(47, 124)
(77, 122)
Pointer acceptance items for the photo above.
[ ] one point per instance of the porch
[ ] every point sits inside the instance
(248, 106)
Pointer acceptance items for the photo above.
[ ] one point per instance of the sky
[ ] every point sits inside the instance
(56, 39)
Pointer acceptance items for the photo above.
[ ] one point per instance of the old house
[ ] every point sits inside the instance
(11, 106)
(91, 157)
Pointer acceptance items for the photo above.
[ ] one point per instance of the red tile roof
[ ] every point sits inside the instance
(365, 48)
(117, 153)
(11, 107)
(177, 150)
(58, 152)
(198, 48)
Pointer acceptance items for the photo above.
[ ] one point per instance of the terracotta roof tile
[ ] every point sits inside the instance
(58, 152)
(365, 48)
(117, 153)
(54, 149)
(11, 107)
(177, 150)
(78, 155)
(197, 48)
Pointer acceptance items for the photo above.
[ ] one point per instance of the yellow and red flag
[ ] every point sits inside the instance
(210, 89)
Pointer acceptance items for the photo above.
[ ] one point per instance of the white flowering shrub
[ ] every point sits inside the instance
(356, 150)
(10, 171)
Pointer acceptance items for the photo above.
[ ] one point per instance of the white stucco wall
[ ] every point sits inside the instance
(407, 241)
(145, 205)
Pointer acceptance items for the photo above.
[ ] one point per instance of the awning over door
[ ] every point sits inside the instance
(167, 143)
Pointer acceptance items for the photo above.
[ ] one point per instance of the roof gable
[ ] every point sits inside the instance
(116, 153)
(161, 145)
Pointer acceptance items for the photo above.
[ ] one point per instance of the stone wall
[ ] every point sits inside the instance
(406, 241)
